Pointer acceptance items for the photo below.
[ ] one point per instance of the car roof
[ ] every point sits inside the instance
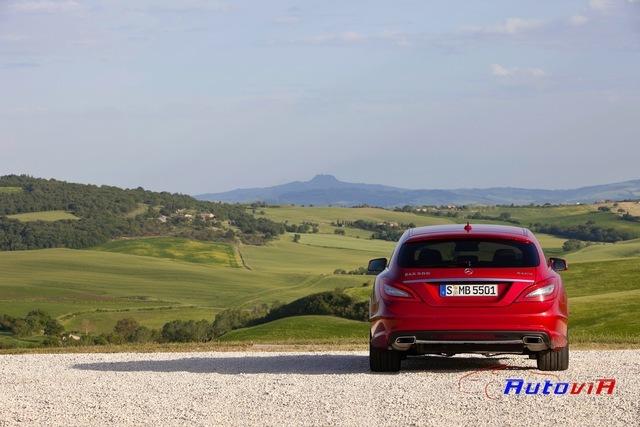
(454, 230)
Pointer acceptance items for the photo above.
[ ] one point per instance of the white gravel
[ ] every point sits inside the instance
(305, 389)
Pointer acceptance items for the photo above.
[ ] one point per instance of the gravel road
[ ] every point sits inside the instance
(306, 389)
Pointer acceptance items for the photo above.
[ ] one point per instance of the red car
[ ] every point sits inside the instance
(484, 289)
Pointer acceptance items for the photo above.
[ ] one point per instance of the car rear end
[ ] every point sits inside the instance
(481, 289)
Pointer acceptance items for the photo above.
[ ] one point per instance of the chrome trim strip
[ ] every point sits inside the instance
(467, 279)
(469, 342)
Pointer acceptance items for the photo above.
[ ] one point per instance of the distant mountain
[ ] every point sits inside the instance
(327, 190)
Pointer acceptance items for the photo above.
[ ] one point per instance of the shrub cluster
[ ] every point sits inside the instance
(573, 245)
(305, 227)
(504, 217)
(381, 231)
(358, 271)
(36, 322)
(588, 231)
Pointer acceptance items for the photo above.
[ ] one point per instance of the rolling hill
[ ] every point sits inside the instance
(178, 273)
(326, 190)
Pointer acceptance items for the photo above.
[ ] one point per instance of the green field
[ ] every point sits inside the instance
(155, 280)
(284, 255)
(176, 248)
(606, 251)
(563, 216)
(604, 300)
(43, 216)
(302, 329)
(324, 216)
(10, 190)
(151, 317)
(78, 284)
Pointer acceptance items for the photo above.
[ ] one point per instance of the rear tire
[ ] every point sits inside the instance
(550, 360)
(384, 360)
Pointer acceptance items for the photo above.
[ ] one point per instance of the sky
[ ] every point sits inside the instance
(199, 96)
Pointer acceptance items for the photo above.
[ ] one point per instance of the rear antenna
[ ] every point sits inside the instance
(467, 227)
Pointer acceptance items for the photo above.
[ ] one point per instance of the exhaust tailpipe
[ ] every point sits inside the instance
(404, 343)
(534, 342)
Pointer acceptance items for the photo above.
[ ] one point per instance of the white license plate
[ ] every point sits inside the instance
(471, 290)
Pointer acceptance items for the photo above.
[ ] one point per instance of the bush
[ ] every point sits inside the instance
(333, 303)
(36, 322)
(235, 318)
(187, 331)
(572, 245)
(100, 340)
(126, 328)
(143, 335)
(53, 328)
(51, 342)
(357, 271)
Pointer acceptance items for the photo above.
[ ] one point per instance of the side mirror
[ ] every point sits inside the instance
(558, 264)
(377, 266)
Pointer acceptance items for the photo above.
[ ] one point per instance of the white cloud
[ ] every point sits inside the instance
(510, 26)
(501, 71)
(578, 20)
(44, 6)
(396, 38)
(600, 4)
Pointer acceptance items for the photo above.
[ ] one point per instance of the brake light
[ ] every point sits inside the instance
(392, 291)
(541, 291)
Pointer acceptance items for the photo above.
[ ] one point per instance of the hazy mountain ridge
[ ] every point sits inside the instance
(327, 190)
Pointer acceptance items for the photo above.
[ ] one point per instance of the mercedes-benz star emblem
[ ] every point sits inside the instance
(468, 271)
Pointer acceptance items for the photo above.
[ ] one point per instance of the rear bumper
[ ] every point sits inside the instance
(422, 342)
(471, 330)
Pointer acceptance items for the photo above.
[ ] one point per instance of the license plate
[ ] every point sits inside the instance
(471, 290)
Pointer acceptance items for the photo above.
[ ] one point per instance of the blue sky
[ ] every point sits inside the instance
(202, 96)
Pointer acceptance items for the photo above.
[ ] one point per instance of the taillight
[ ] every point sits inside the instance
(392, 291)
(541, 291)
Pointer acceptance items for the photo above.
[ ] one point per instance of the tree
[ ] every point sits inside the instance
(186, 331)
(53, 328)
(296, 238)
(126, 328)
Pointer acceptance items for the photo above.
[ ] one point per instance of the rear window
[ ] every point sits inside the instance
(468, 253)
